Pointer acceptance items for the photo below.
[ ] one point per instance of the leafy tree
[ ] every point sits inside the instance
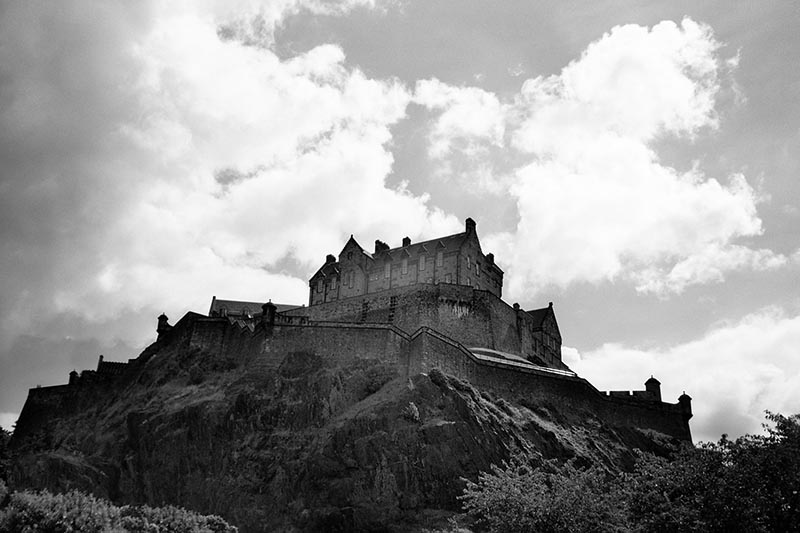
(751, 484)
(545, 498)
(5, 437)
(748, 484)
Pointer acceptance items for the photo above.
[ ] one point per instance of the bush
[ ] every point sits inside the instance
(75, 511)
(549, 497)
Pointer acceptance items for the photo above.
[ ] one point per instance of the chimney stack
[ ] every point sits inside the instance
(406, 242)
(470, 225)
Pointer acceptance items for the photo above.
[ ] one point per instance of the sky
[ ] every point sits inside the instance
(636, 163)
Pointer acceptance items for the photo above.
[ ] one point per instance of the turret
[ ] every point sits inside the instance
(685, 401)
(653, 386)
(268, 316)
(162, 328)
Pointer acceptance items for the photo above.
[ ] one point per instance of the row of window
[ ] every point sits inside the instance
(348, 276)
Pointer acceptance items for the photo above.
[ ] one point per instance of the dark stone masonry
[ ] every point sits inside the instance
(256, 397)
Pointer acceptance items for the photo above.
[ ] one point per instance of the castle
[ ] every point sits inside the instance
(416, 307)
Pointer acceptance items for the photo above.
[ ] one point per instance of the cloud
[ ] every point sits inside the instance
(594, 200)
(469, 118)
(734, 372)
(118, 127)
(126, 209)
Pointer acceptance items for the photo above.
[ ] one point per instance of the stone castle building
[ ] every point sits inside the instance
(416, 307)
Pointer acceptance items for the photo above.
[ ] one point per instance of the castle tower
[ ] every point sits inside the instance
(163, 325)
(268, 316)
(685, 401)
(653, 386)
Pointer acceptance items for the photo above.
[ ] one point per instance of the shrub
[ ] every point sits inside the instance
(75, 511)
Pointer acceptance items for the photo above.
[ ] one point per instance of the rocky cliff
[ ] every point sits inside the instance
(313, 444)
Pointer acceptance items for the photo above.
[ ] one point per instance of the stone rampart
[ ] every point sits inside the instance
(472, 317)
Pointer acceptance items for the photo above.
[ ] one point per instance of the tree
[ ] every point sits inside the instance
(749, 484)
(548, 497)
(5, 438)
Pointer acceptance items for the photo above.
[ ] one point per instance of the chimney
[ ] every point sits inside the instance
(406, 242)
(490, 258)
(380, 246)
(330, 258)
(470, 225)
(99, 363)
(73, 378)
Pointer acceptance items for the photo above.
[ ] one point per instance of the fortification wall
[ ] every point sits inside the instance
(577, 394)
(472, 317)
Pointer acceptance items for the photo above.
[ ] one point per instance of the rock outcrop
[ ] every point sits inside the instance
(312, 444)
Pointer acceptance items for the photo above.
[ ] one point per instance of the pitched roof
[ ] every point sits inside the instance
(538, 315)
(449, 242)
(236, 307)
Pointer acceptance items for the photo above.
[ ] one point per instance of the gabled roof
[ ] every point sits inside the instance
(447, 243)
(236, 307)
(538, 316)
(328, 269)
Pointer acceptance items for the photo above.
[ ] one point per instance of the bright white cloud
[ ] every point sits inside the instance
(469, 118)
(594, 200)
(733, 373)
(205, 162)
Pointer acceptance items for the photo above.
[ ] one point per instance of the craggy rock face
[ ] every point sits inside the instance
(312, 445)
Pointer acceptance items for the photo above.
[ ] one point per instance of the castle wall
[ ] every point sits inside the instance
(428, 348)
(263, 348)
(473, 318)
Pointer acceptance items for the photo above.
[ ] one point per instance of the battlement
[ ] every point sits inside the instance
(383, 309)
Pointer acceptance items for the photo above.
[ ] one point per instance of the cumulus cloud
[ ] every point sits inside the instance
(733, 373)
(134, 198)
(594, 200)
(161, 157)
(470, 117)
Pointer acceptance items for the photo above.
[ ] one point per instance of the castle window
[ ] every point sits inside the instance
(469, 262)
(448, 278)
(387, 270)
(333, 284)
(349, 255)
(405, 265)
(319, 286)
(422, 262)
(478, 269)
(350, 279)
(469, 282)
(439, 258)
